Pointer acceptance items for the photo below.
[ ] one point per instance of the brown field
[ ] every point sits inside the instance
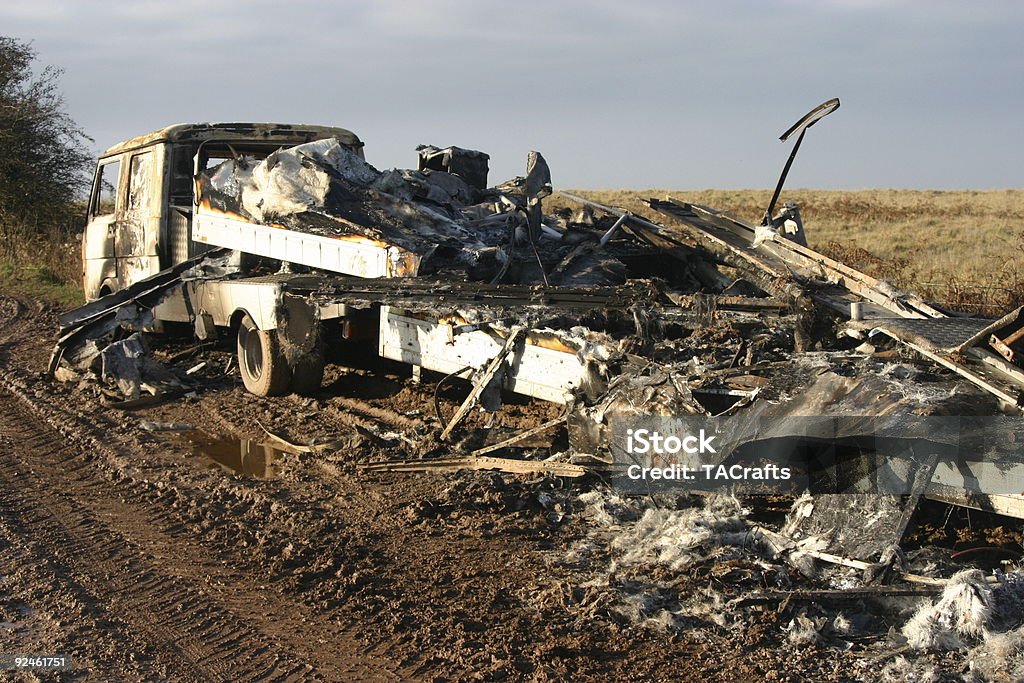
(964, 249)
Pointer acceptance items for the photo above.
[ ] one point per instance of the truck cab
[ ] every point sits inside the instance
(153, 209)
(141, 206)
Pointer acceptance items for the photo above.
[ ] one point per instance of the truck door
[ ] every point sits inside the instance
(137, 228)
(98, 245)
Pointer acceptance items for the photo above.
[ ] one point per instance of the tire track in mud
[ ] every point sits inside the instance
(18, 317)
(191, 613)
(12, 313)
(169, 614)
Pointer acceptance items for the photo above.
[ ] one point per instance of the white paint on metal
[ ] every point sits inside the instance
(983, 485)
(361, 258)
(537, 371)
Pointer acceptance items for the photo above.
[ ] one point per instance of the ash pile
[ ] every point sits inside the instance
(710, 570)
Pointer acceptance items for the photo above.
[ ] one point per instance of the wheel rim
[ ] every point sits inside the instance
(253, 351)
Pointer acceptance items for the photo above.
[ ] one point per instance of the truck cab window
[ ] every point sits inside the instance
(181, 176)
(105, 200)
(139, 183)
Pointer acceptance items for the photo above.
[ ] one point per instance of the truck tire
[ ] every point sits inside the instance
(263, 366)
(308, 372)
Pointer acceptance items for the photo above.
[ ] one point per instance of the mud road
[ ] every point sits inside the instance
(145, 556)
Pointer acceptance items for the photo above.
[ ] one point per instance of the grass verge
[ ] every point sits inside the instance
(40, 282)
(42, 263)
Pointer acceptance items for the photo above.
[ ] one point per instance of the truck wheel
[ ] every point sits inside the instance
(263, 366)
(308, 372)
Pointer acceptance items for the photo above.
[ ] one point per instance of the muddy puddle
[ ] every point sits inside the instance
(232, 454)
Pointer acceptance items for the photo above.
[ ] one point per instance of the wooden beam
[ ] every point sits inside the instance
(525, 434)
(471, 462)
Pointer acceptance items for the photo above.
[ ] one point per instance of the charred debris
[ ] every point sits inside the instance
(696, 313)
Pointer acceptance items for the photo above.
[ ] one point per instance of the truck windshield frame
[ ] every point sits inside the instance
(103, 185)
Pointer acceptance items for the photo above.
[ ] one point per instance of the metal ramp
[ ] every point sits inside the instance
(938, 335)
(775, 261)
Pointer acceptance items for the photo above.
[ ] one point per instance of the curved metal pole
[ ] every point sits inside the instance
(782, 180)
(808, 120)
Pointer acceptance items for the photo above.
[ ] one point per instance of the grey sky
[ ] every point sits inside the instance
(638, 93)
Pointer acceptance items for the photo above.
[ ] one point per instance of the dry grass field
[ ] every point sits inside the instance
(964, 249)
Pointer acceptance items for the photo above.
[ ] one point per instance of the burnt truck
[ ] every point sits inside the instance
(286, 239)
(157, 203)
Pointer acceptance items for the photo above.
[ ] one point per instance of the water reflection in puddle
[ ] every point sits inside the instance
(234, 455)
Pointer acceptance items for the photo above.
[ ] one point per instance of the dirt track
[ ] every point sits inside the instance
(144, 563)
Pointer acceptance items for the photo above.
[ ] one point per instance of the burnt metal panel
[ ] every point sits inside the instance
(941, 335)
(468, 164)
(292, 134)
(178, 235)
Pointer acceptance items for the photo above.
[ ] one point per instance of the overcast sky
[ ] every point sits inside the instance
(638, 93)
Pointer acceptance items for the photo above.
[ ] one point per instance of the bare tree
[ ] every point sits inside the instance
(44, 160)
